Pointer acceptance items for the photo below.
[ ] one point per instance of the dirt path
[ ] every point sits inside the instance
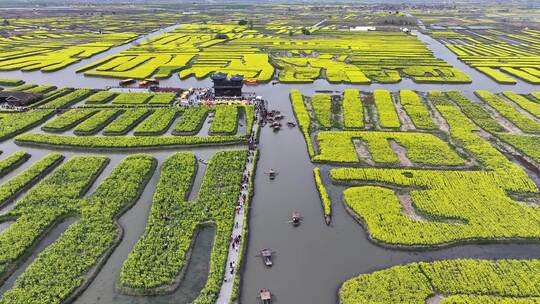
(363, 152)
(406, 122)
(434, 299)
(401, 153)
(408, 209)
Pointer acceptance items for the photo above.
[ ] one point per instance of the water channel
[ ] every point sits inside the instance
(312, 260)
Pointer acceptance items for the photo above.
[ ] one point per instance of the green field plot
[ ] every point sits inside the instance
(97, 122)
(322, 107)
(527, 144)
(386, 112)
(527, 104)
(191, 121)
(508, 111)
(126, 121)
(353, 110)
(9, 82)
(346, 112)
(416, 110)
(129, 100)
(214, 206)
(455, 281)
(104, 128)
(68, 120)
(83, 244)
(421, 148)
(35, 213)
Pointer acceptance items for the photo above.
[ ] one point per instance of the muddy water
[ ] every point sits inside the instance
(312, 260)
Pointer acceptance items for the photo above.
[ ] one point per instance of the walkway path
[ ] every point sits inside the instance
(225, 292)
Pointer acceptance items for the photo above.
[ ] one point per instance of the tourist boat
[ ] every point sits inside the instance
(276, 126)
(265, 296)
(152, 81)
(126, 82)
(295, 218)
(271, 174)
(266, 255)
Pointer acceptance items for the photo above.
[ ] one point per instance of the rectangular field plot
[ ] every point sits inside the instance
(460, 281)
(386, 148)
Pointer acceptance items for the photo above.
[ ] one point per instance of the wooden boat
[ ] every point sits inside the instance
(152, 80)
(251, 82)
(265, 296)
(296, 218)
(126, 82)
(291, 124)
(271, 174)
(143, 84)
(266, 255)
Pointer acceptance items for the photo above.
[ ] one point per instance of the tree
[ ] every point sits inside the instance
(305, 31)
(221, 36)
(242, 22)
(6, 22)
